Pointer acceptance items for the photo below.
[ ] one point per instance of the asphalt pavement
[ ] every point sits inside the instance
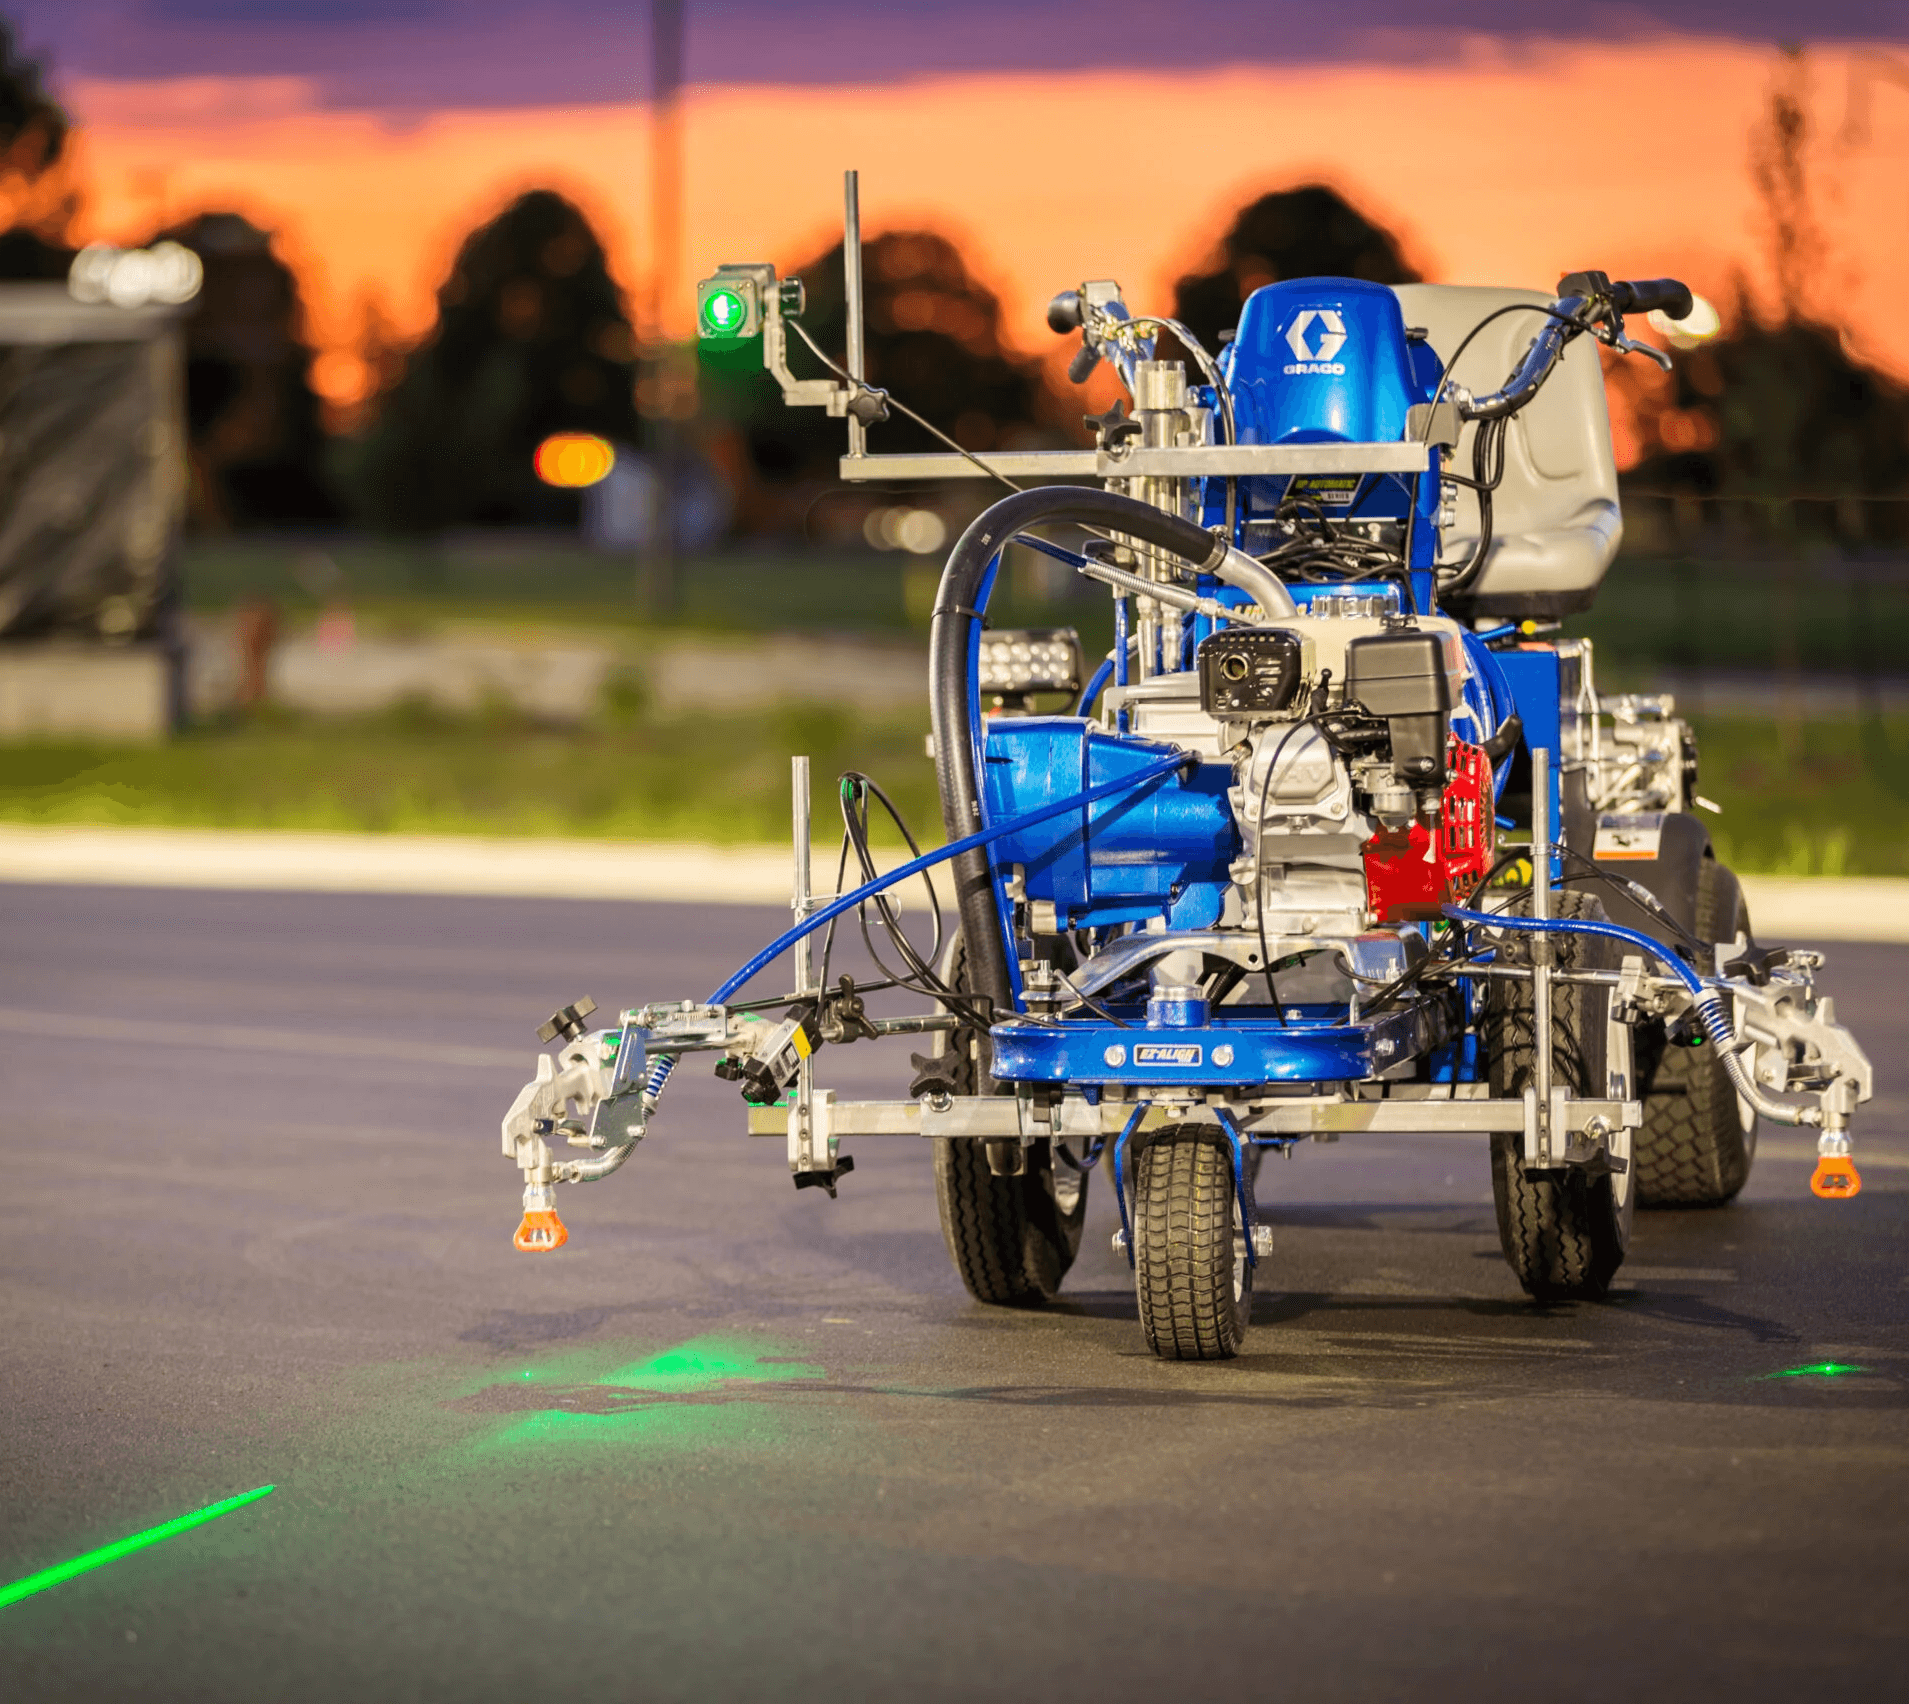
(739, 1442)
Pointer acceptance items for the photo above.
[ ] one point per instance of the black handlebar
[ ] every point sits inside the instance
(1652, 295)
(1584, 300)
(1635, 296)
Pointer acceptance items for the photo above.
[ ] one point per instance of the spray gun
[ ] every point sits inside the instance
(570, 1097)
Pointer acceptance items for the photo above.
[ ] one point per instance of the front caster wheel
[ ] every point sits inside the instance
(1190, 1268)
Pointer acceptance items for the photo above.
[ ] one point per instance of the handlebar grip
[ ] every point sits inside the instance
(1647, 295)
(1064, 312)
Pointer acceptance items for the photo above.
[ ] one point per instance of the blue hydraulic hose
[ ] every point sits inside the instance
(1707, 1003)
(1094, 687)
(660, 1072)
(1580, 926)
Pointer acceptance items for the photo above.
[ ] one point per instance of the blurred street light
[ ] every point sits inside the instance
(573, 460)
(1700, 324)
(920, 532)
(168, 272)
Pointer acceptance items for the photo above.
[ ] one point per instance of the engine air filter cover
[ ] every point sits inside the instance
(1249, 671)
(1406, 673)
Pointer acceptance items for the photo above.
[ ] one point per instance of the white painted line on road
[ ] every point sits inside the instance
(1818, 908)
(237, 1038)
(1828, 908)
(684, 871)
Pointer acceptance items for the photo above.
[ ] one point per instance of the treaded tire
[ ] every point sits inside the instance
(1699, 1139)
(1564, 1233)
(1190, 1270)
(1012, 1239)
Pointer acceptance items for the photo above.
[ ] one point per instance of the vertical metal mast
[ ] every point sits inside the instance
(852, 282)
(666, 368)
(802, 1154)
(1541, 950)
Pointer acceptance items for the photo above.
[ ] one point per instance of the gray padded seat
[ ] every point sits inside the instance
(1555, 519)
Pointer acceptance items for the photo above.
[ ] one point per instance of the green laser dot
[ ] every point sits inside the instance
(63, 1571)
(1818, 1370)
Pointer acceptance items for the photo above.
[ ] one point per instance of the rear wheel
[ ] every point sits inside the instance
(1190, 1268)
(1699, 1136)
(1011, 1234)
(1564, 1232)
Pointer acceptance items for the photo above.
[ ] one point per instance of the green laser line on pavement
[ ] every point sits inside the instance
(63, 1571)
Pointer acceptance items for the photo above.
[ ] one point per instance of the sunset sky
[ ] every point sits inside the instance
(1054, 141)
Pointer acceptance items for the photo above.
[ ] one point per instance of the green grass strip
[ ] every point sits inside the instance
(63, 1571)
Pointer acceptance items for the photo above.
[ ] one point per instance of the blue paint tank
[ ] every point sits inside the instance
(1164, 848)
(1326, 360)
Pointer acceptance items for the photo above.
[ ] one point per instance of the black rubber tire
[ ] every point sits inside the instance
(1564, 1232)
(1190, 1271)
(1012, 1239)
(1699, 1138)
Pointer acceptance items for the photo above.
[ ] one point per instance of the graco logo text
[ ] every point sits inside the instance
(1174, 1053)
(1332, 338)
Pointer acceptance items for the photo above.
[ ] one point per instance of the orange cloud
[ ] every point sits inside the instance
(1502, 168)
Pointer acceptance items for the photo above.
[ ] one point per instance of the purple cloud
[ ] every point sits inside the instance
(411, 55)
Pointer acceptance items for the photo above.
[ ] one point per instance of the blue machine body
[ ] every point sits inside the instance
(1160, 851)
(1314, 1045)
(1318, 360)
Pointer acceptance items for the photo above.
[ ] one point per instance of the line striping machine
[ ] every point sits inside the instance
(1243, 885)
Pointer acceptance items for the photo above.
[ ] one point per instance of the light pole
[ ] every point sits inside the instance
(665, 382)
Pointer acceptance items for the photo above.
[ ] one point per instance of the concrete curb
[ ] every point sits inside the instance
(1787, 908)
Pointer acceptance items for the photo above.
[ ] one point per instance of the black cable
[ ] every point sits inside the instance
(926, 425)
(1435, 959)
(1092, 1004)
(1319, 514)
(1494, 432)
(1445, 372)
(1259, 867)
(828, 935)
(1638, 894)
(1336, 558)
(855, 787)
(1490, 438)
(1474, 563)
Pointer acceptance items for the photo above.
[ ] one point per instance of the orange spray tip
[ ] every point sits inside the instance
(541, 1232)
(1835, 1178)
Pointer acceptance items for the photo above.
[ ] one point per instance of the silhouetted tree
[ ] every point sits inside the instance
(934, 340)
(1777, 410)
(1312, 232)
(36, 203)
(1778, 407)
(256, 446)
(531, 338)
